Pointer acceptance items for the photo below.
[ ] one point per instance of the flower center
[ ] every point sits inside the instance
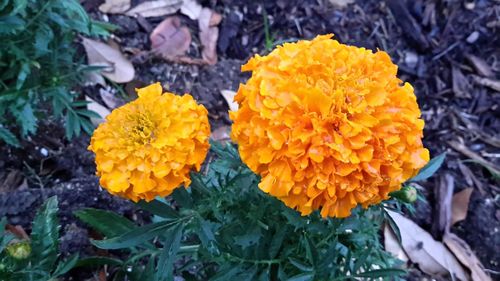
(142, 129)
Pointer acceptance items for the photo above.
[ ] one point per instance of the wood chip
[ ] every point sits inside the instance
(474, 156)
(480, 65)
(490, 83)
(460, 85)
(115, 6)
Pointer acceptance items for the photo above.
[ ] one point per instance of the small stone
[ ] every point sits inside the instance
(44, 152)
(411, 59)
(472, 37)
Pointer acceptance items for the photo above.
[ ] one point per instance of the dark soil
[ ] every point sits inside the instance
(431, 41)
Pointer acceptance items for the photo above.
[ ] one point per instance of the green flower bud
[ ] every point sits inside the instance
(19, 250)
(407, 194)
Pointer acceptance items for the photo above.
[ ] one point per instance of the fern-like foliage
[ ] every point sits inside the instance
(38, 66)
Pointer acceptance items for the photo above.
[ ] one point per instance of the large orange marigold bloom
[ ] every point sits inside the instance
(147, 147)
(328, 126)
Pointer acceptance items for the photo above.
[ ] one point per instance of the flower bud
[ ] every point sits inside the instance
(19, 250)
(407, 194)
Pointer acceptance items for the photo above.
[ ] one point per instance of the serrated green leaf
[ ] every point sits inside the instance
(8, 137)
(24, 71)
(277, 241)
(171, 244)
(428, 170)
(311, 252)
(27, 120)
(45, 236)
(159, 208)
(135, 237)
(182, 197)
(302, 277)
(107, 223)
(98, 261)
(65, 266)
(300, 265)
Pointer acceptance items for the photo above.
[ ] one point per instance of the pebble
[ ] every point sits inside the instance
(411, 59)
(44, 152)
(472, 37)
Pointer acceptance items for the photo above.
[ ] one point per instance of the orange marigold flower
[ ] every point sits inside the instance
(328, 126)
(147, 147)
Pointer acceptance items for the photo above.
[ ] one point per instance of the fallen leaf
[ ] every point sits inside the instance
(392, 245)
(155, 8)
(92, 78)
(229, 97)
(460, 85)
(170, 39)
(431, 256)
(117, 67)
(480, 65)
(115, 6)
(460, 205)
(99, 109)
(341, 3)
(466, 256)
(209, 32)
(222, 134)
(109, 98)
(191, 8)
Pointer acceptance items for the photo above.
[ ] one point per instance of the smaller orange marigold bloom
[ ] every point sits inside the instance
(147, 147)
(328, 126)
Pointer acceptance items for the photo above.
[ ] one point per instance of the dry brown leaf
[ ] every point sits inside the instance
(391, 245)
(466, 256)
(460, 205)
(117, 67)
(115, 6)
(18, 231)
(341, 3)
(99, 109)
(155, 8)
(229, 97)
(191, 8)
(170, 39)
(432, 256)
(209, 32)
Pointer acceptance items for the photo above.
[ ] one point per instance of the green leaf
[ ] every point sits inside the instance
(23, 74)
(161, 209)
(277, 241)
(171, 245)
(45, 236)
(182, 197)
(27, 120)
(65, 266)
(251, 237)
(300, 265)
(107, 223)
(302, 277)
(428, 170)
(98, 261)
(8, 137)
(311, 253)
(135, 237)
